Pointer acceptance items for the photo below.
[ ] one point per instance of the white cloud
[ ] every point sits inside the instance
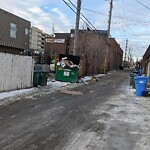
(62, 17)
(44, 13)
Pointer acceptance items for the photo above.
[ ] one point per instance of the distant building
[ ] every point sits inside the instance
(57, 43)
(37, 38)
(14, 33)
(91, 49)
(37, 44)
(115, 55)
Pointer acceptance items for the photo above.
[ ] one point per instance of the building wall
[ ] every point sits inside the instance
(37, 39)
(148, 70)
(91, 48)
(146, 62)
(115, 55)
(55, 46)
(8, 39)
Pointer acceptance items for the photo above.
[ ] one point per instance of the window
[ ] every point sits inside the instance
(13, 30)
(26, 31)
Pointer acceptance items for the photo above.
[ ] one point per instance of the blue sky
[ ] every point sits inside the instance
(130, 18)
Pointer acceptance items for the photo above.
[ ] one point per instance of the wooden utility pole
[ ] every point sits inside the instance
(108, 35)
(75, 47)
(125, 53)
(129, 55)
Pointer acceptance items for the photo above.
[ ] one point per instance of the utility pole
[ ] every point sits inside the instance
(108, 35)
(129, 55)
(75, 47)
(125, 52)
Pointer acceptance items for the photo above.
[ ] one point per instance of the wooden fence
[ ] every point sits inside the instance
(16, 72)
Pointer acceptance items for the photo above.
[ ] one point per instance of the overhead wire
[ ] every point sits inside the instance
(75, 12)
(131, 32)
(142, 4)
(81, 17)
(132, 11)
(121, 17)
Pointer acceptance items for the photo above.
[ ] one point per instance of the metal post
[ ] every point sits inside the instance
(77, 28)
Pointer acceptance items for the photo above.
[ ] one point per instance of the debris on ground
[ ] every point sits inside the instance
(66, 91)
(86, 78)
(97, 77)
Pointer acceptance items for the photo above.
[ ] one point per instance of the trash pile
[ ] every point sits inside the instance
(66, 91)
(88, 78)
(65, 62)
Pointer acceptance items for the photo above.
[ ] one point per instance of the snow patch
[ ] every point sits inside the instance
(15, 93)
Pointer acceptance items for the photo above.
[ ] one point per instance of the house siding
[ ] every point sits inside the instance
(21, 42)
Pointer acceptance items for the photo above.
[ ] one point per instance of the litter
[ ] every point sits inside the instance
(65, 62)
(65, 91)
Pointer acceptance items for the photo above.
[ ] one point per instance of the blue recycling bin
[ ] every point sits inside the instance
(141, 85)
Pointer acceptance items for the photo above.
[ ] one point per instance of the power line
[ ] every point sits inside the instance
(131, 11)
(142, 4)
(122, 18)
(87, 23)
(82, 15)
(75, 13)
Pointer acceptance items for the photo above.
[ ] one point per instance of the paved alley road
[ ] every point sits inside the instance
(107, 116)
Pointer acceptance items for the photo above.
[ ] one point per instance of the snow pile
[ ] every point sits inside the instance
(12, 96)
(15, 93)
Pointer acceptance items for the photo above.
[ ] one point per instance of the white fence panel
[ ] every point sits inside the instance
(16, 72)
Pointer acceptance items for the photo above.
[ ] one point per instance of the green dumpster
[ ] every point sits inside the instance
(43, 78)
(37, 74)
(132, 82)
(36, 78)
(66, 74)
(40, 75)
(44, 74)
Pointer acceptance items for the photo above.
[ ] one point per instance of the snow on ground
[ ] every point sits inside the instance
(57, 84)
(125, 122)
(12, 96)
(15, 93)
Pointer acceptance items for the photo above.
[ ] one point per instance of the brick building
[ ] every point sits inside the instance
(14, 33)
(115, 55)
(91, 49)
(56, 44)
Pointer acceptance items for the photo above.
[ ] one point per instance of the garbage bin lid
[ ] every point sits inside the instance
(140, 77)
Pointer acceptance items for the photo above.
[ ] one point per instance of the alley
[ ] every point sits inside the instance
(108, 116)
